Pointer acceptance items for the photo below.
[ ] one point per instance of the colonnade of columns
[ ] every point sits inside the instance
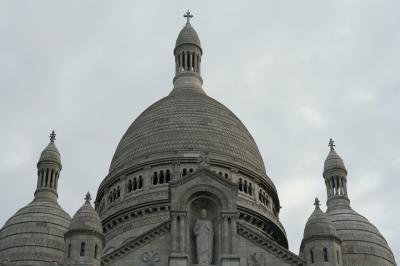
(336, 185)
(187, 61)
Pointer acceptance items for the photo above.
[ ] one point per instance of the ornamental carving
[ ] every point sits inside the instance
(257, 259)
(151, 258)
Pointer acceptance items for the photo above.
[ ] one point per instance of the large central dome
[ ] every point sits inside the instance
(172, 140)
(188, 121)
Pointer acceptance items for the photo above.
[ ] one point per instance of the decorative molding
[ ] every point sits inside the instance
(137, 243)
(270, 245)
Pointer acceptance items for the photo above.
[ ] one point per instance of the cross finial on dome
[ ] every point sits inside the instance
(316, 203)
(88, 198)
(331, 144)
(52, 136)
(188, 16)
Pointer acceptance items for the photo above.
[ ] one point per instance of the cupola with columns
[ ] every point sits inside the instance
(188, 54)
(335, 175)
(49, 167)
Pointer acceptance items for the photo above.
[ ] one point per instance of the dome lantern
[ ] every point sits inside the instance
(335, 175)
(188, 54)
(49, 167)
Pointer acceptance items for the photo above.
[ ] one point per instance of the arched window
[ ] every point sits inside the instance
(191, 170)
(82, 249)
(168, 176)
(140, 182)
(184, 172)
(338, 256)
(226, 175)
(312, 256)
(95, 251)
(155, 178)
(161, 177)
(250, 189)
(130, 185)
(220, 173)
(240, 184)
(135, 185)
(260, 197)
(118, 192)
(325, 255)
(245, 186)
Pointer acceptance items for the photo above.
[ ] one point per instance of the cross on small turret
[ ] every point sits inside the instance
(188, 16)
(331, 144)
(316, 203)
(52, 136)
(88, 198)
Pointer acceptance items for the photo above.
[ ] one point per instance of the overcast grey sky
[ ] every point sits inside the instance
(295, 72)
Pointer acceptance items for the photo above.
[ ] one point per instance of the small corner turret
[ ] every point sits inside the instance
(321, 245)
(84, 239)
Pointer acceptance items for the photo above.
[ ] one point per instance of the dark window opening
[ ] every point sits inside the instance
(325, 255)
(82, 249)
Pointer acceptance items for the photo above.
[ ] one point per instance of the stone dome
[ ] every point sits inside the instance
(333, 161)
(191, 122)
(35, 234)
(363, 244)
(319, 225)
(188, 35)
(86, 218)
(50, 154)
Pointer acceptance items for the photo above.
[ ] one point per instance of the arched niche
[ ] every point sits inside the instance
(212, 204)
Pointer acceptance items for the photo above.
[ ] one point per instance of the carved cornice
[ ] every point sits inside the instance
(138, 242)
(270, 245)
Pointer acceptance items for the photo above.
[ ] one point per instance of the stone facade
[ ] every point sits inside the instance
(186, 186)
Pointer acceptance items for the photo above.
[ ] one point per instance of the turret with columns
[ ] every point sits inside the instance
(49, 167)
(335, 175)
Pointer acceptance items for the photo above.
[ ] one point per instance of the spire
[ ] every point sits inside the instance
(188, 54)
(49, 167)
(335, 175)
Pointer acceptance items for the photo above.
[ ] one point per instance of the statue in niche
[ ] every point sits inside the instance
(204, 233)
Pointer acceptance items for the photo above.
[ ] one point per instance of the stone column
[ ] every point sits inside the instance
(225, 235)
(146, 178)
(182, 229)
(174, 231)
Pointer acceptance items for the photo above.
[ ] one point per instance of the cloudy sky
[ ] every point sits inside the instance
(295, 72)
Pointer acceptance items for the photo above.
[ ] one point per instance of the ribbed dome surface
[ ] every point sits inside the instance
(188, 121)
(188, 35)
(362, 242)
(50, 153)
(86, 218)
(333, 161)
(35, 234)
(319, 225)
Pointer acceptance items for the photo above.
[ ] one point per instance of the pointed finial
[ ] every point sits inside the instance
(331, 144)
(52, 136)
(188, 16)
(316, 203)
(88, 198)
